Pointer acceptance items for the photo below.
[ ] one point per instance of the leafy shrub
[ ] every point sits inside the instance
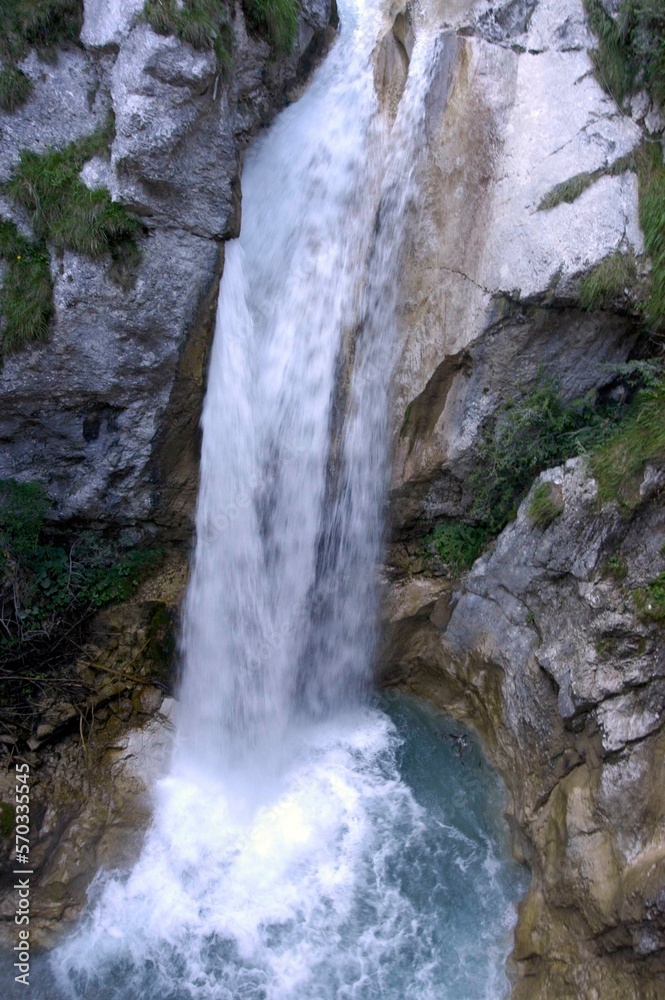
(616, 568)
(458, 545)
(544, 506)
(608, 281)
(532, 433)
(51, 582)
(202, 23)
(15, 88)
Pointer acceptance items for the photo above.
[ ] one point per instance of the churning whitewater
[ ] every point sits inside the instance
(308, 843)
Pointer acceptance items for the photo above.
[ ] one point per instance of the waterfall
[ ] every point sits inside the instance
(279, 621)
(289, 858)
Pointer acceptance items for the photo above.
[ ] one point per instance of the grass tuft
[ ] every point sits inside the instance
(277, 19)
(620, 463)
(65, 212)
(608, 281)
(613, 59)
(202, 23)
(568, 191)
(651, 179)
(41, 24)
(26, 297)
(544, 505)
(15, 88)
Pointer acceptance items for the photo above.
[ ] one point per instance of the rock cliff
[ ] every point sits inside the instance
(546, 645)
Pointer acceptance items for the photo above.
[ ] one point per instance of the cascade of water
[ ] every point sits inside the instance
(288, 859)
(280, 611)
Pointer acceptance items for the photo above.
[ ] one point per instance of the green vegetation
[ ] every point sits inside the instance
(26, 294)
(616, 568)
(7, 819)
(544, 505)
(24, 24)
(65, 212)
(569, 191)
(203, 23)
(613, 59)
(50, 582)
(650, 600)
(532, 433)
(619, 463)
(457, 545)
(631, 49)
(277, 19)
(651, 178)
(15, 88)
(608, 281)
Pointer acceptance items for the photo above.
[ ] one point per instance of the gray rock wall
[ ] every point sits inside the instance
(85, 412)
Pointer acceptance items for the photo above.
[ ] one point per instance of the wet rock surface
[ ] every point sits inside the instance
(85, 412)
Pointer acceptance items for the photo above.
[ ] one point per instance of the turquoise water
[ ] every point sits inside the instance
(377, 868)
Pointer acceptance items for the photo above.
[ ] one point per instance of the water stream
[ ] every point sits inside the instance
(309, 842)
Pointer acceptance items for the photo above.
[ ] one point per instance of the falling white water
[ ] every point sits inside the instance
(289, 857)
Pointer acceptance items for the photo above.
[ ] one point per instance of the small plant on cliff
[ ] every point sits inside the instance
(631, 47)
(24, 24)
(26, 294)
(51, 581)
(650, 600)
(457, 545)
(651, 179)
(203, 23)
(608, 281)
(531, 433)
(619, 463)
(15, 88)
(544, 505)
(278, 19)
(65, 212)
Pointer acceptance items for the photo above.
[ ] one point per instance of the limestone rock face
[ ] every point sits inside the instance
(543, 649)
(105, 413)
(490, 283)
(543, 646)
